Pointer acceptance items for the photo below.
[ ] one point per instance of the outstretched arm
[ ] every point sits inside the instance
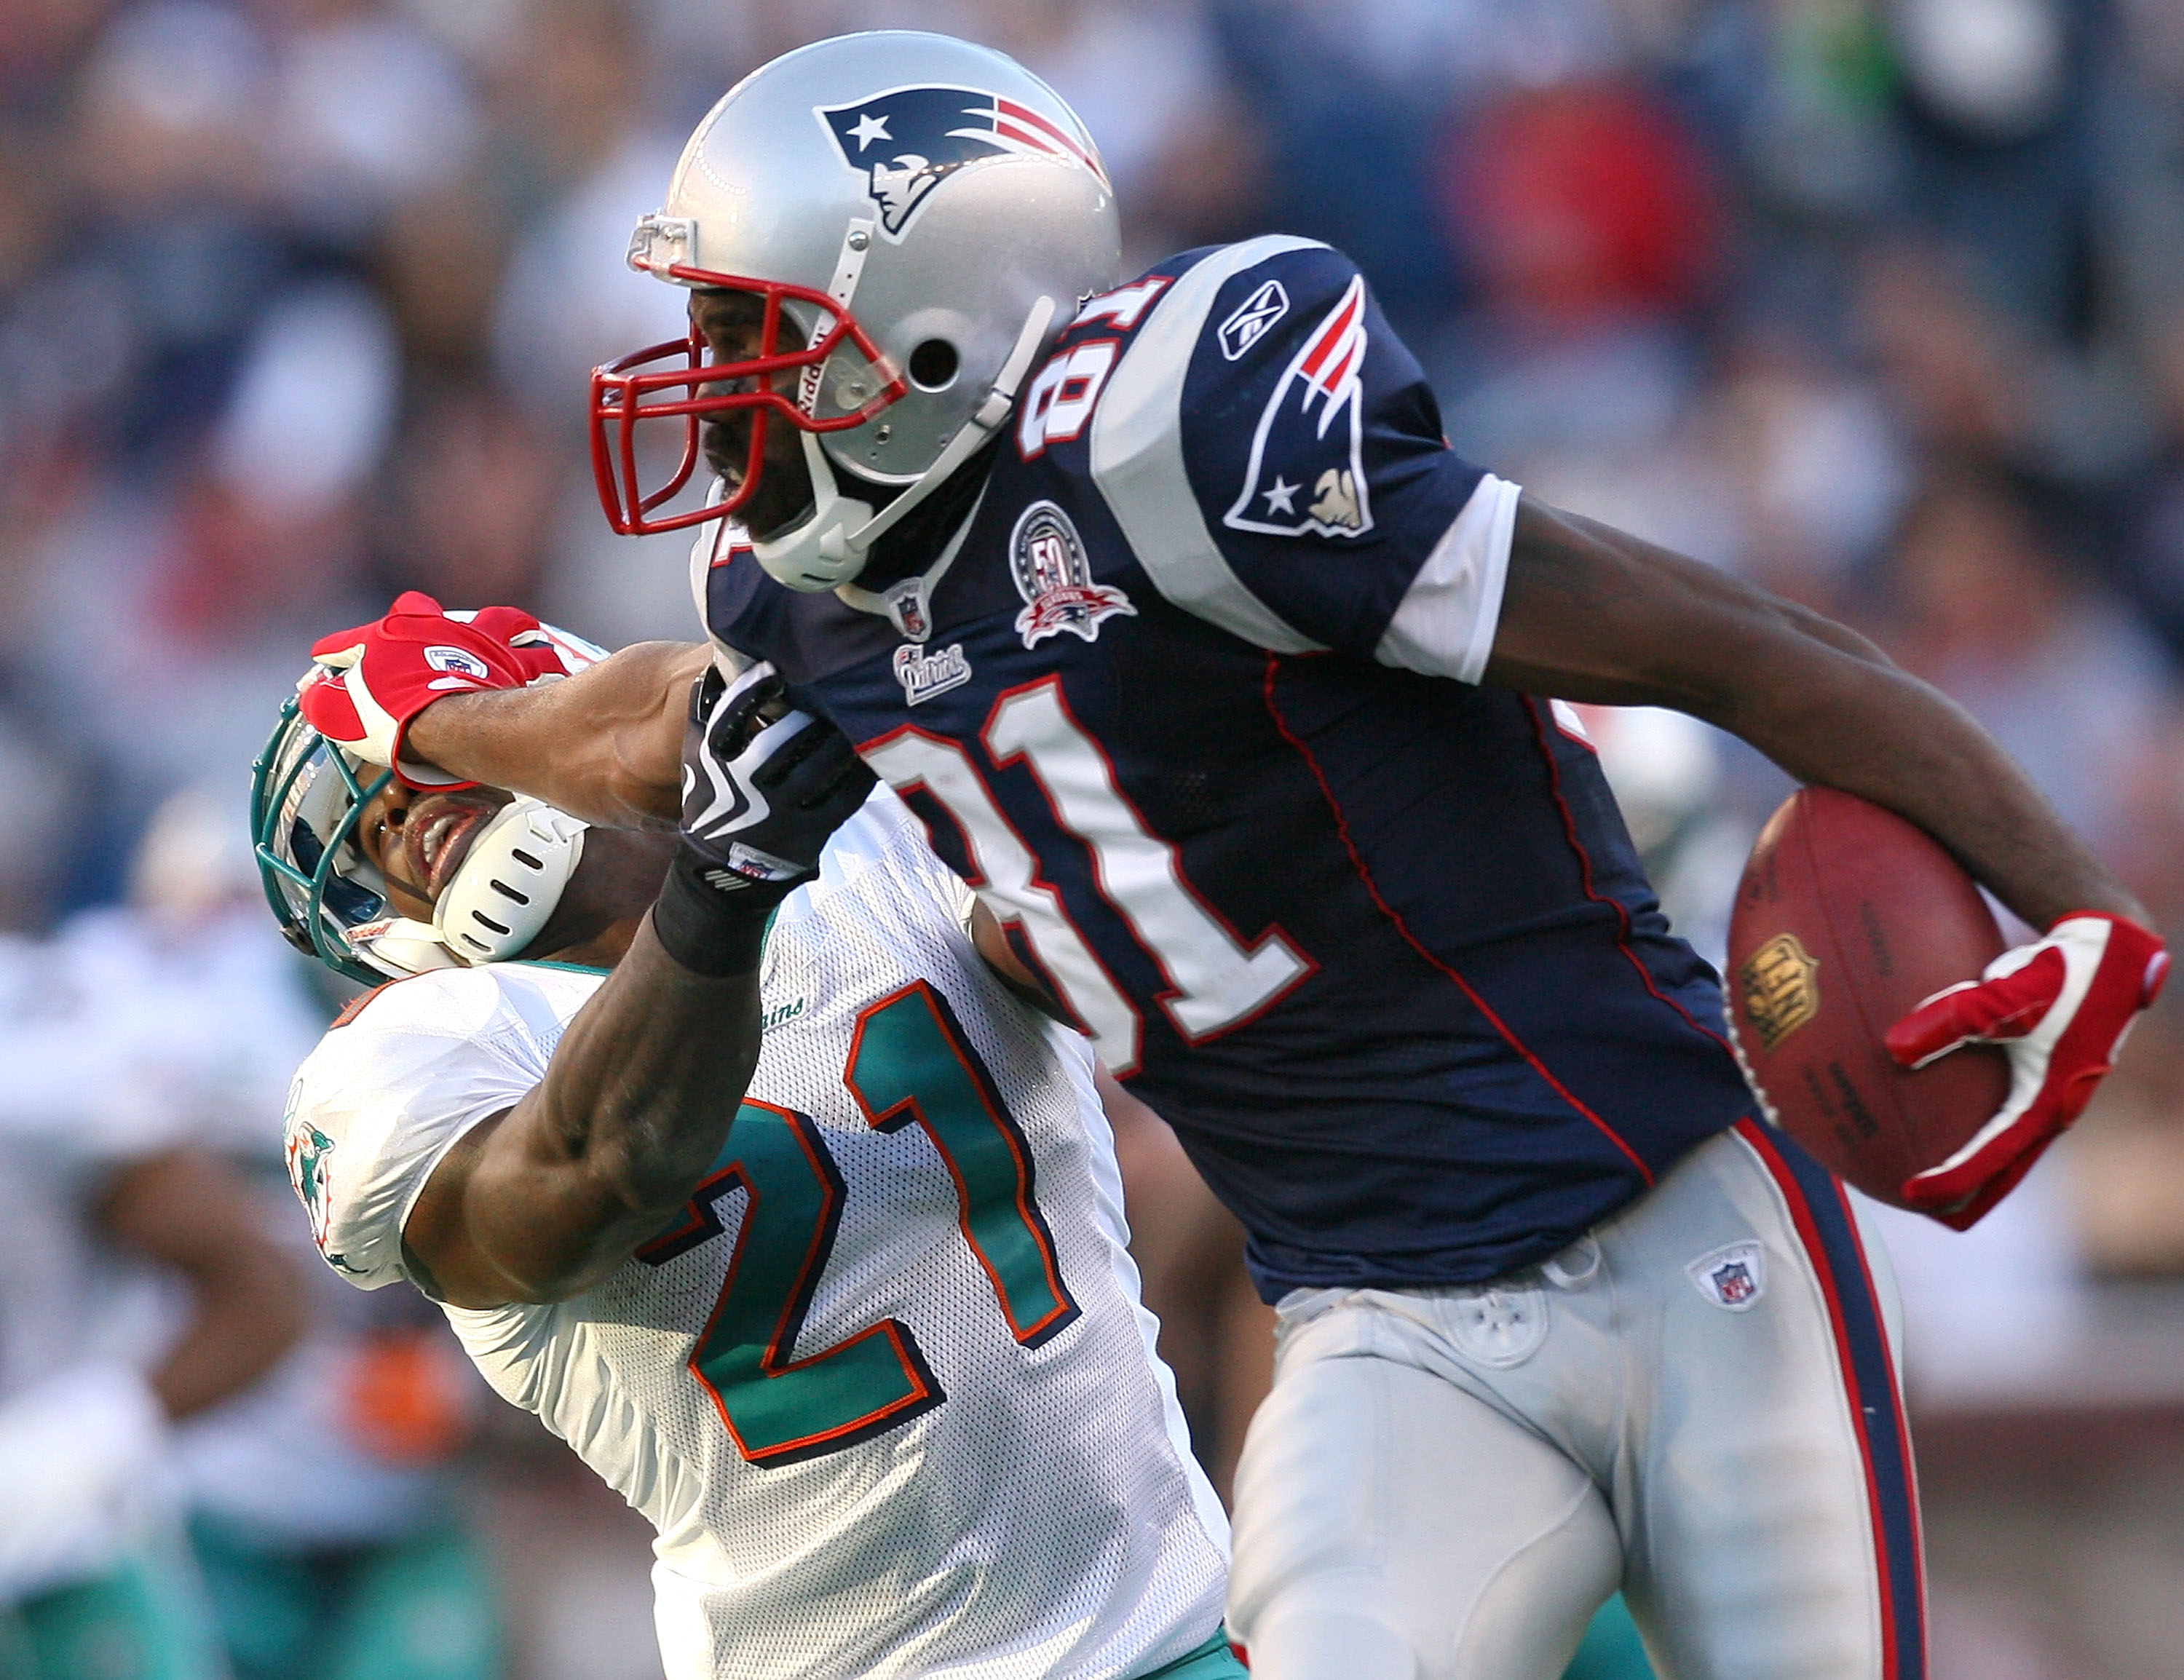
(1591, 614)
(546, 1199)
(604, 744)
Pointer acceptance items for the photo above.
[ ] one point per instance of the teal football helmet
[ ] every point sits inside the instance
(307, 795)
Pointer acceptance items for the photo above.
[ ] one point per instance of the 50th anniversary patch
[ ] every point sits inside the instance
(1052, 573)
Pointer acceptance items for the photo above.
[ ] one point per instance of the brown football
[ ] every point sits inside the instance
(1846, 918)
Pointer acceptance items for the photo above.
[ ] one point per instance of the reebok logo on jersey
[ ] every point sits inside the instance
(923, 675)
(908, 140)
(1053, 575)
(1307, 475)
(1255, 316)
(1733, 1277)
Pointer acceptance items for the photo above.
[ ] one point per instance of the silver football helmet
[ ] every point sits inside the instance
(916, 217)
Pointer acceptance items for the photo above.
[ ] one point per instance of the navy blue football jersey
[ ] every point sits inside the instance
(1193, 704)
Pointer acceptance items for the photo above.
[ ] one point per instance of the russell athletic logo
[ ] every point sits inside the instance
(909, 140)
(923, 675)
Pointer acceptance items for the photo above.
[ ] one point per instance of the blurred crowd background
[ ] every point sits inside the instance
(1879, 303)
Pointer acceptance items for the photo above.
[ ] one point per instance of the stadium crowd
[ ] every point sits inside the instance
(1879, 303)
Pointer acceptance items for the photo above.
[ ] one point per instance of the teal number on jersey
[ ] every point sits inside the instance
(781, 1410)
(909, 1060)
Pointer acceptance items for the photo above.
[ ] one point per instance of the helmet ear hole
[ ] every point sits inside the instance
(933, 364)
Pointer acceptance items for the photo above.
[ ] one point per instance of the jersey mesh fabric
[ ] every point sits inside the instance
(1044, 1519)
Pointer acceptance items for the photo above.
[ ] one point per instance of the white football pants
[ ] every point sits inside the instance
(1697, 1402)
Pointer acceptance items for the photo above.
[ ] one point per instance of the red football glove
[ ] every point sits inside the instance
(2059, 1008)
(371, 681)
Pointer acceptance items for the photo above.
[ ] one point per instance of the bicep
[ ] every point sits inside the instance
(1591, 614)
(506, 1215)
(444, 1250)
(648, 738)
(547, 1197)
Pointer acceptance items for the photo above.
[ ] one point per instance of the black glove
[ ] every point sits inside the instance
(763, 787)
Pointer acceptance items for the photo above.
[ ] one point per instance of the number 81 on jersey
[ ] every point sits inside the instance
(1215, 982)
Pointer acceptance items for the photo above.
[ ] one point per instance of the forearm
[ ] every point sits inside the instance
(1888, 737)
(195, 1215)
(247, 1315)
(1593, 614)
(634, 1108)
(604, 745)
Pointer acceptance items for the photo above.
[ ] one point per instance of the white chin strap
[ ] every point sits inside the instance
(516, 871)
(831, 547)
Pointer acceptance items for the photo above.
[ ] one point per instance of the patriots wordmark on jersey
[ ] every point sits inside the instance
(885, 1389)
(1192, 706)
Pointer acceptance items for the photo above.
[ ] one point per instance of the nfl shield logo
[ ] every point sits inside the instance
(1733, 1278)
(1733, 1284)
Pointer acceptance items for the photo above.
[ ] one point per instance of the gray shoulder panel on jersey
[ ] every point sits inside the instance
(705, 547)
(1445, 624)
(1137, 457)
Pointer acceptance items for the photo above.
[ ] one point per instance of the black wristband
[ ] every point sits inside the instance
(709, 931)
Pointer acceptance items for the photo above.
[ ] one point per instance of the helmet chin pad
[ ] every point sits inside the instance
(505, 892)
(819, 551)
(511, 882)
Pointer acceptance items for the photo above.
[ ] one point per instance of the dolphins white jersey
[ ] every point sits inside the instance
(886, 1389)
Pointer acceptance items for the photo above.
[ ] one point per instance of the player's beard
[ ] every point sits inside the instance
(783, 495)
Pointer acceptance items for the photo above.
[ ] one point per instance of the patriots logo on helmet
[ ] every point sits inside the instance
(1307, 471)
(909, 140)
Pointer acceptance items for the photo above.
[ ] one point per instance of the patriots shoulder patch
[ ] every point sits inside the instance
(1307, 474)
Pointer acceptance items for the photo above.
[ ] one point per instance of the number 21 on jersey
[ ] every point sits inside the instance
(909, 1063)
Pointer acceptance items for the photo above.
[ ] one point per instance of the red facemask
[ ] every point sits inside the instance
(620, 391)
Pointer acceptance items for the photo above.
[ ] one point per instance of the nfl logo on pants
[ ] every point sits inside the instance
(1732, 1278)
